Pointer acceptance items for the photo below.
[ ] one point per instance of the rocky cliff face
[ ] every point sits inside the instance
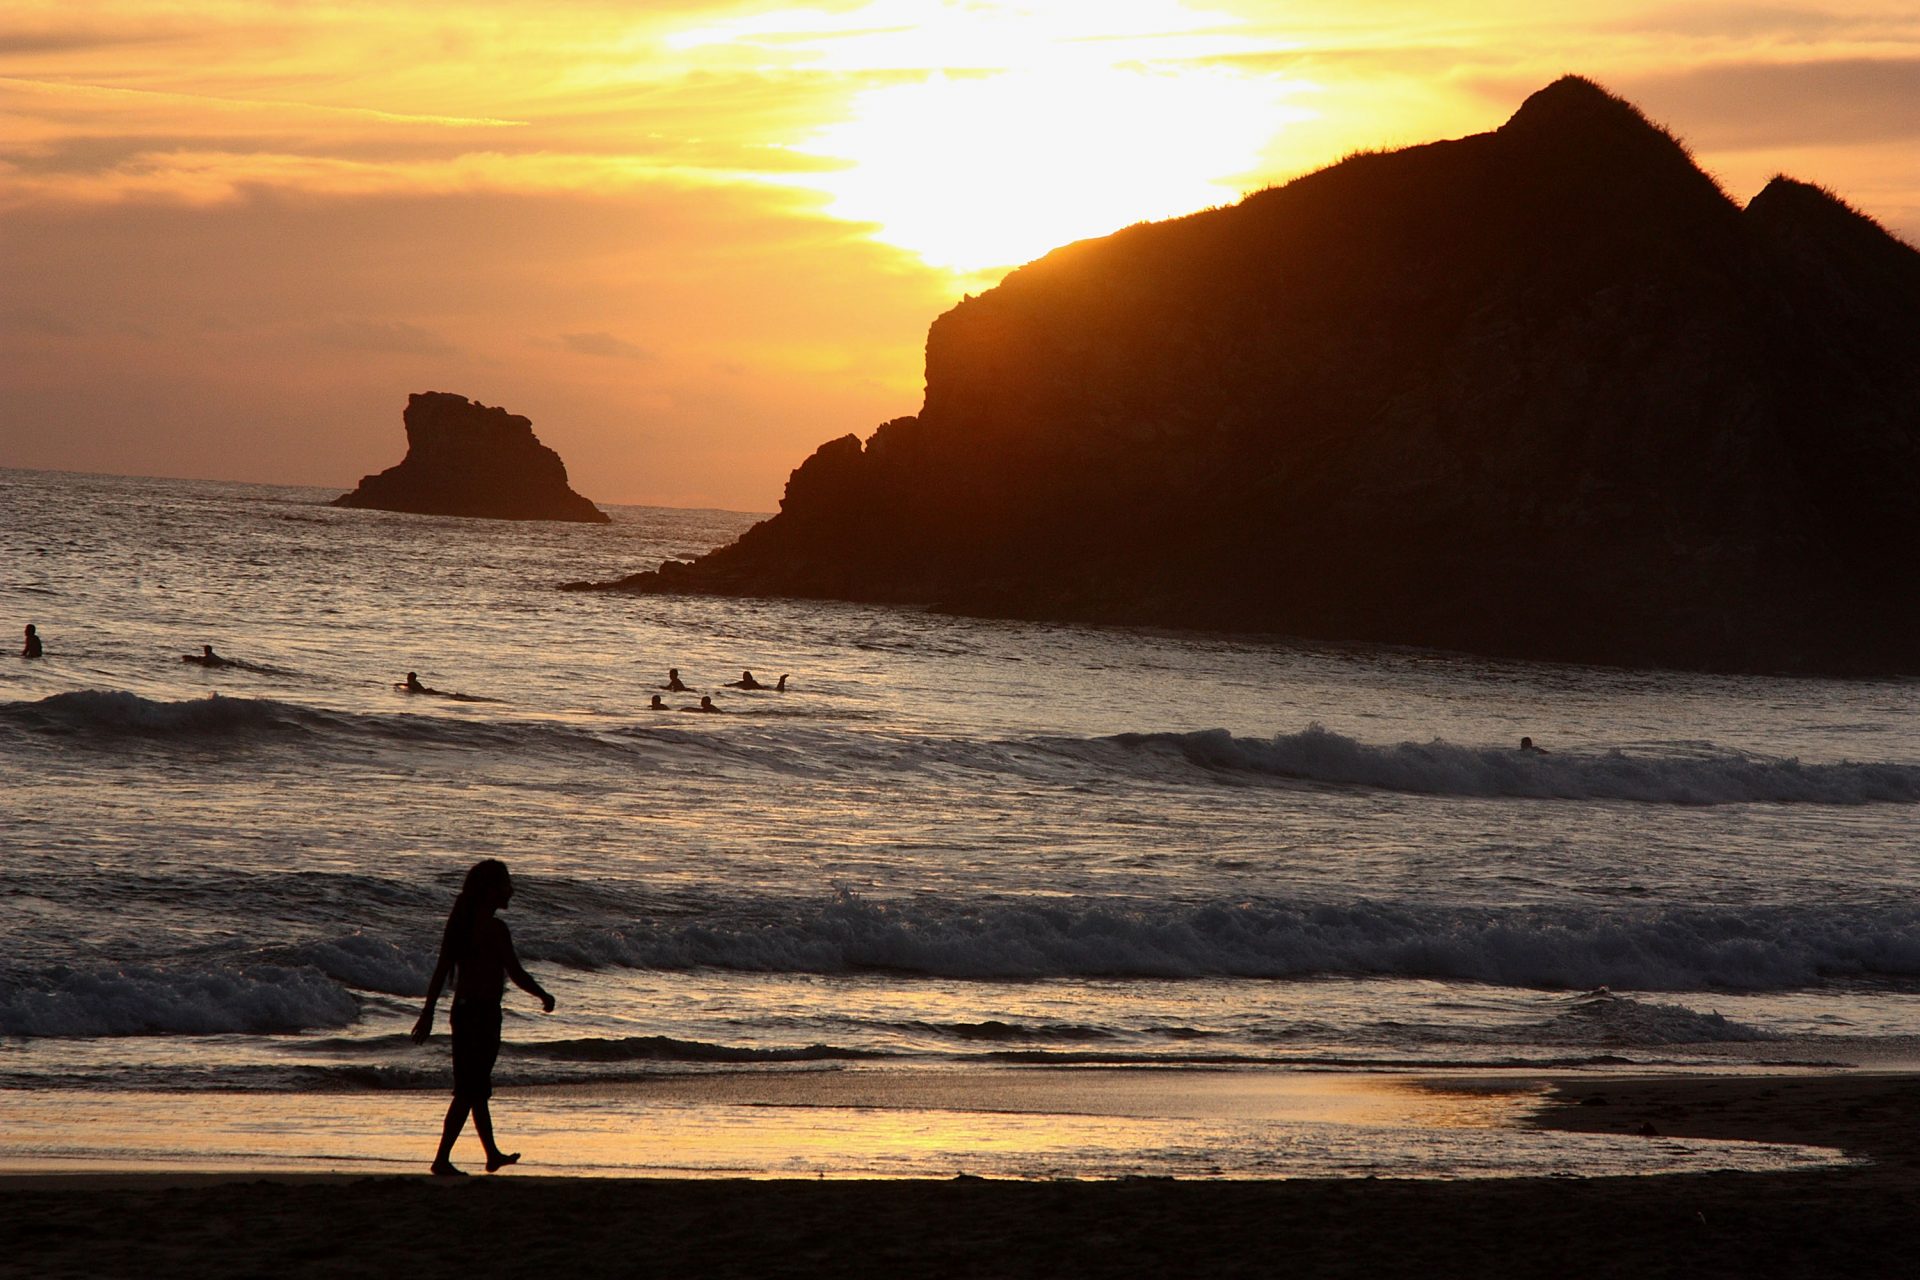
(466, 459)
(1544, 391)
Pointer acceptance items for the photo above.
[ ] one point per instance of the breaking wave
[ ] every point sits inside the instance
(108, 711)
(1600, 1017)
(1314, 756)
(1550, 948)
(1707, 776)
(155, 1000)
(326, 984)
(668, 1049)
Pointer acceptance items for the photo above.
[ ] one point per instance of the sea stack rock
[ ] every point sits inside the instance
(1543, 392)
(468, 459)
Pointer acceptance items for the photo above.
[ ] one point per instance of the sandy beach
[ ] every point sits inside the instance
(1853, 1220)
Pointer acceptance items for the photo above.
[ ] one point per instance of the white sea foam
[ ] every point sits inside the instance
(668, 1049)
(1703, 775)
(366, 962)
(154, 1000)
(1708, 776)
(1661, 949)
(1601, 1017)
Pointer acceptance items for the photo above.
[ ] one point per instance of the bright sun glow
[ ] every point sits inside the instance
(990, 171)
(1022, 128)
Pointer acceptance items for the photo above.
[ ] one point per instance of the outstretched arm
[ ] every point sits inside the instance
(521, 978)
(424, 1027)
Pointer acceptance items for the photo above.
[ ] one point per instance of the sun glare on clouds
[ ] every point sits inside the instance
(975, 172)
(1001, 131)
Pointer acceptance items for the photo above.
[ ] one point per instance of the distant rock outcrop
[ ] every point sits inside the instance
(466, 459)
(1544, 391)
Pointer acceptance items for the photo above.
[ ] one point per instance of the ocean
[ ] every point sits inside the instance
(968, 896)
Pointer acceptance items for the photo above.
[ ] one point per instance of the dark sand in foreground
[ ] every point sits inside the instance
(1856, 1221)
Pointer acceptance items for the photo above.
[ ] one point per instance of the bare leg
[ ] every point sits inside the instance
(450, 1133)
(483, 1125)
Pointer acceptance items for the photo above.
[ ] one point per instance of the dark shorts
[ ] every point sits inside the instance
(476, 1043)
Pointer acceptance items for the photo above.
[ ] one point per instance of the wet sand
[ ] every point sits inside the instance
(1855, 1221)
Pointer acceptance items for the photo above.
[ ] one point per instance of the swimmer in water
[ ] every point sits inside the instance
(413, 685)
(746, 681)
(1526, 744)
(706, 704)
(206, 657)
(657, 705)
(673, 684)
(31, 649)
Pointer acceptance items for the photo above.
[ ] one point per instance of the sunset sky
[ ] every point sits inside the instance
(693, 240)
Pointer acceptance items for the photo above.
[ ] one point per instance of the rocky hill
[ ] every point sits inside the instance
(467, 459)
(1545, 391)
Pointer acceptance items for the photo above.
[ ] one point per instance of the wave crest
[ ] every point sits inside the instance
(1703, 775)
(136, 1001)
(1542, 948)
(113, 711)
(1709, 776)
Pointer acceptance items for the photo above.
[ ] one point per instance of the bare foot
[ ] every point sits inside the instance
(502, 1160)
(445, 1169)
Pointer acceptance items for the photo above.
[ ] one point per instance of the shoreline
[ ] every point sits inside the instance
(1843, 1220)
(1005, 1122)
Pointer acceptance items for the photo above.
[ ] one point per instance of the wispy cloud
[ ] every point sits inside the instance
(146, 98)
(609, 206)
(604, 344)
(390, 337)
(211, 177)
(1844, 102)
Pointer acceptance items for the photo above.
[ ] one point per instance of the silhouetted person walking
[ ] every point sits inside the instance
(477, 952)
(31, 649)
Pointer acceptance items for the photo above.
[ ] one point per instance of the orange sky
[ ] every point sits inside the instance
(690, 240)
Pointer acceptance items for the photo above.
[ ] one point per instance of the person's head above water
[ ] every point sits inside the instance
(656, 704)
(1526, 744)
(706, 703)
(207, 650)
(30, 630)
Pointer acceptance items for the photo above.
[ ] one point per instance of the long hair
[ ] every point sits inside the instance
(484, 875)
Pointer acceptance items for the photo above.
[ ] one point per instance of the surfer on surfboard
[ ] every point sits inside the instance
(206, 657)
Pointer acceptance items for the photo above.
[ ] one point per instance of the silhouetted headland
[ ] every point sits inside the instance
(1545, 392)
(467, 459)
